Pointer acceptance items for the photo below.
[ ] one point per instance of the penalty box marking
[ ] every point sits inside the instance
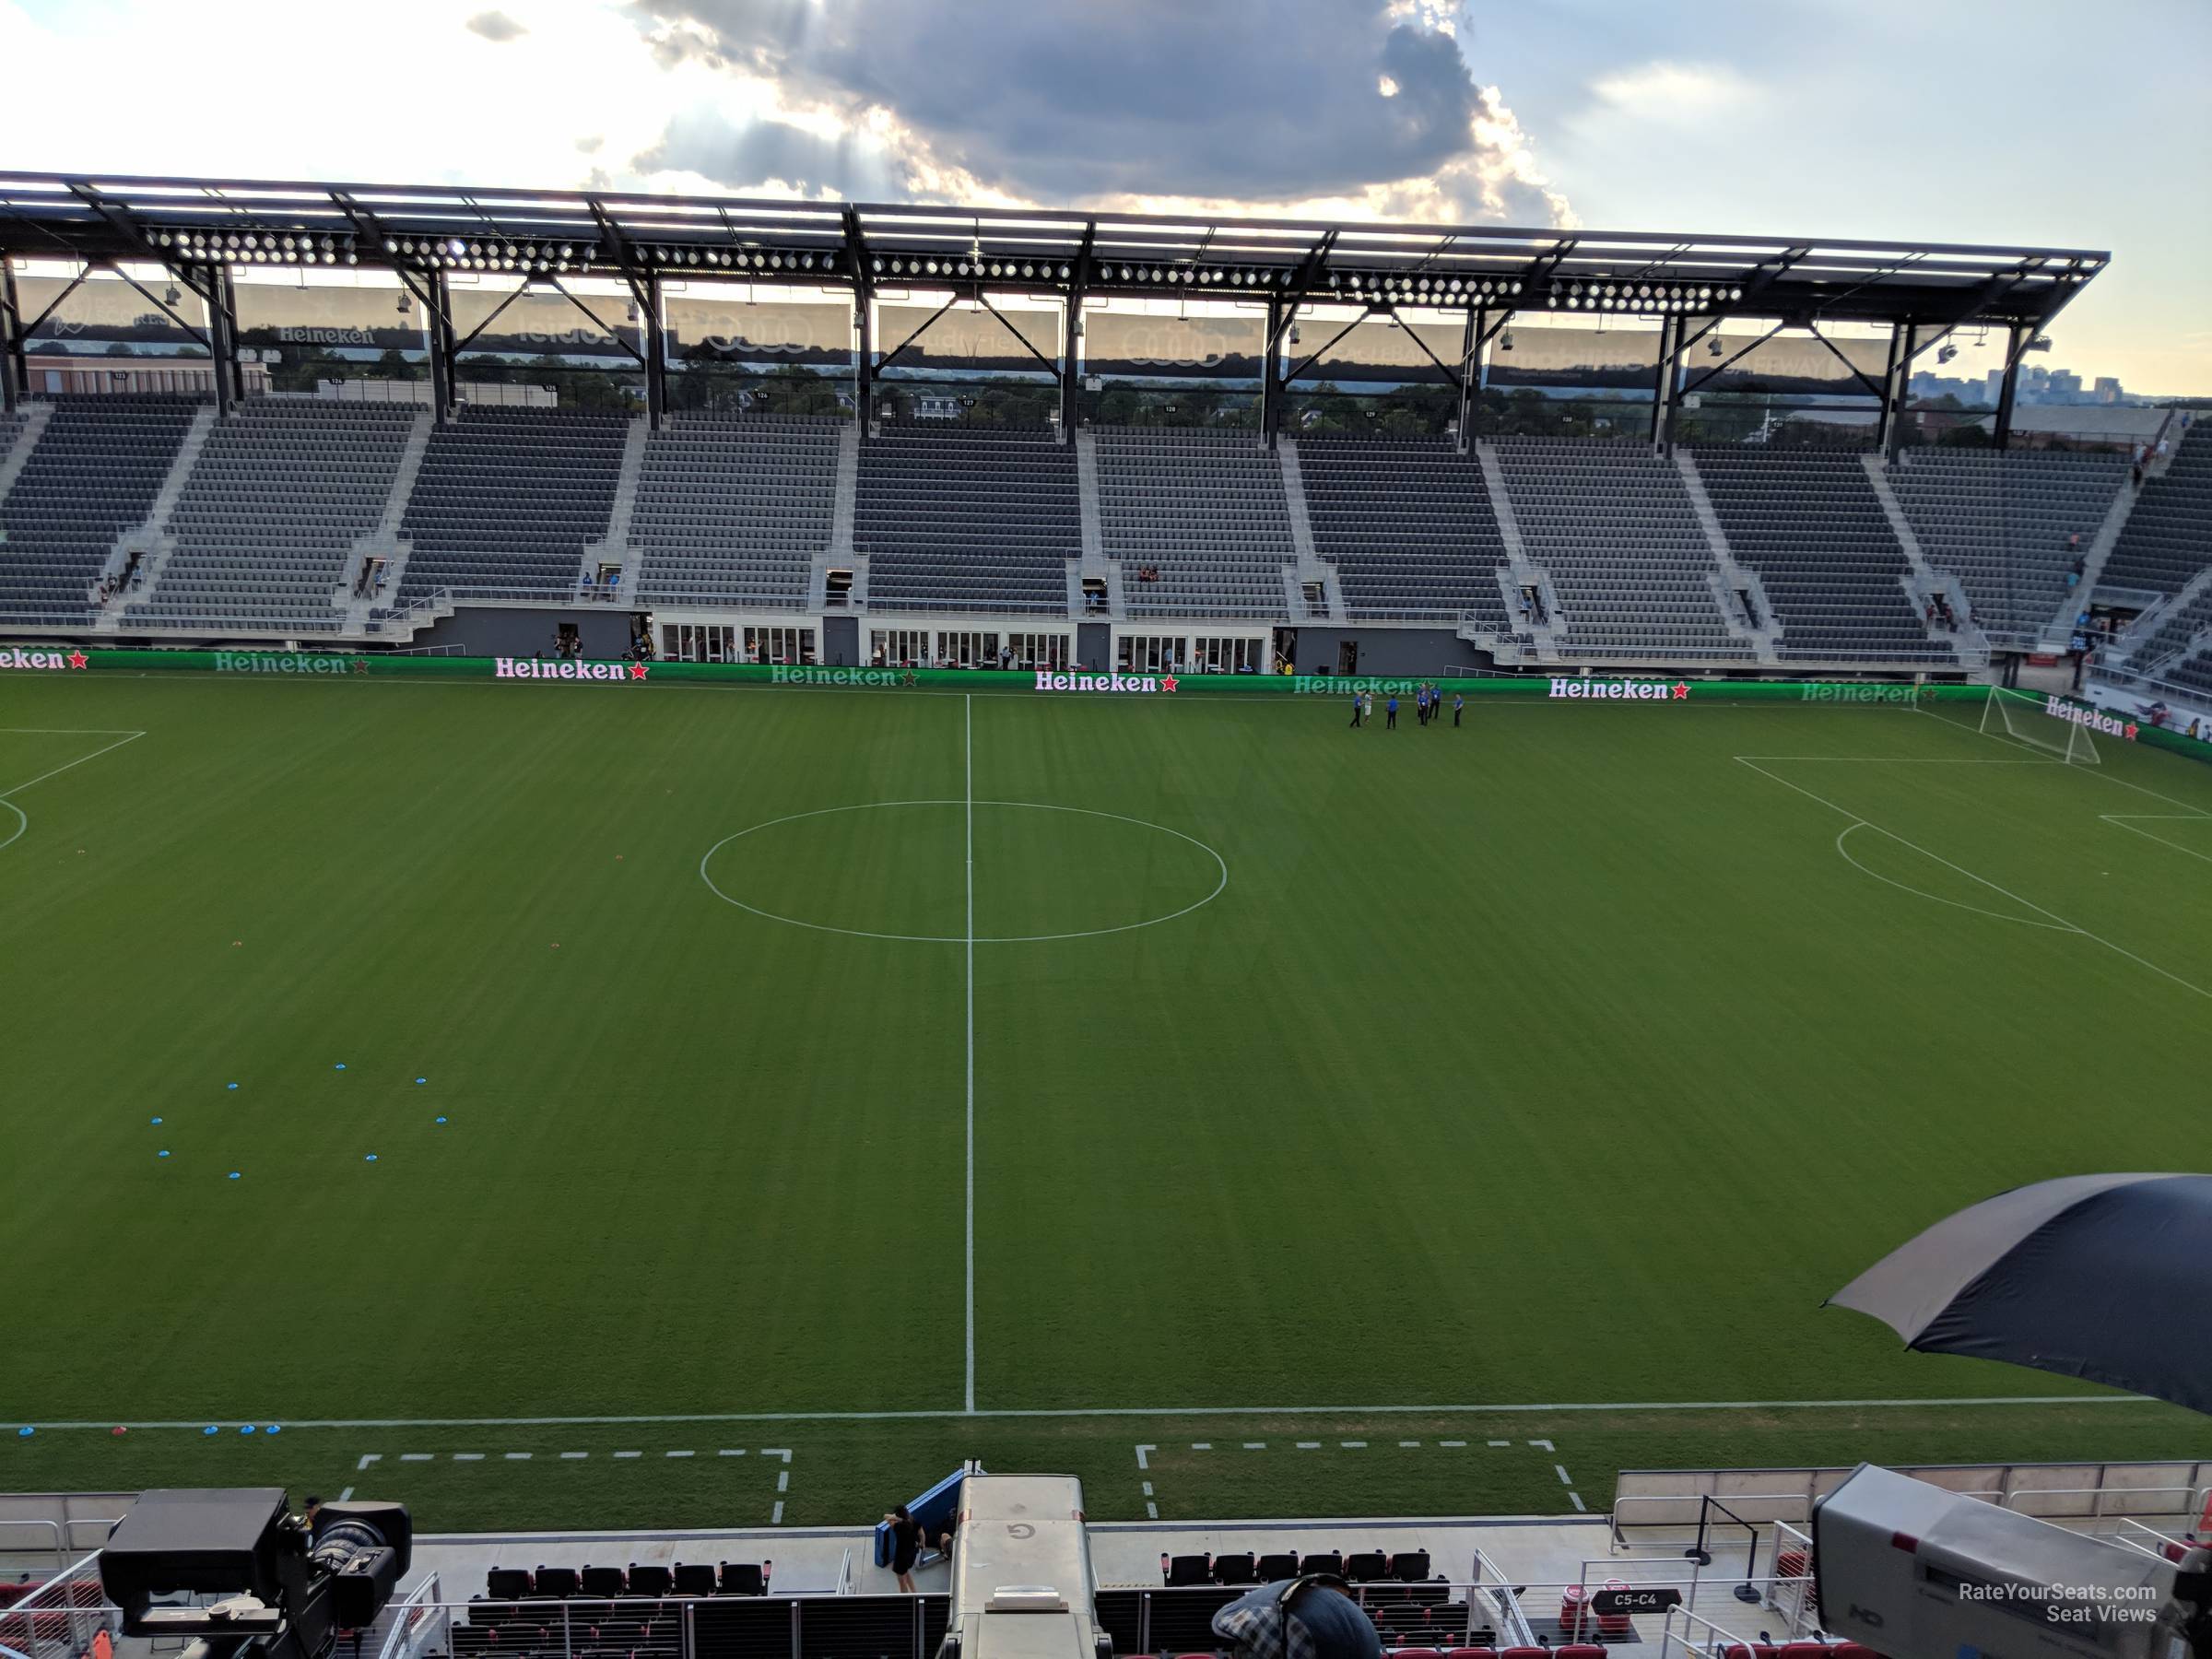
(1146, 1448)
(780, 1453)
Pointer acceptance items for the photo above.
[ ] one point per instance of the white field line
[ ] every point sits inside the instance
(2052, 917)
(1109, 1412)
(968, 751)
(58, 771)
(2128, 820)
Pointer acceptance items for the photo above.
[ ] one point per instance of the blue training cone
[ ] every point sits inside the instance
(340, 1067)
(153, 1119)
(422, 1079)
(25, 1432)
(234, 1174)
(163, 1153)
(274, 1428)
(442, 1120)
(233, 1086)
(245, 1428)
(370, 1158)
(211, 1428)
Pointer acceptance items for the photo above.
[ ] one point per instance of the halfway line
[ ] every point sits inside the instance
(967, 747)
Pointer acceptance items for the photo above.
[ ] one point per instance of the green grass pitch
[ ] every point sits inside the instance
(1562, 1061)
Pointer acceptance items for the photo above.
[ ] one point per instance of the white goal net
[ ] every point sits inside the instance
(2040, 722)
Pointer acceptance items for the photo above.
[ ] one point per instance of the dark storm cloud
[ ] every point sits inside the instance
(1060, 99)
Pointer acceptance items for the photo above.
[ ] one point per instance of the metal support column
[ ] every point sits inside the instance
(864, 359)
(2015, 347)
(1662, 383)
(1470, 351)
(1071, 372)
(15, 365)
(653, 338)
(1897, 380)
(1271, 374)
(442, 348)
(222, 339)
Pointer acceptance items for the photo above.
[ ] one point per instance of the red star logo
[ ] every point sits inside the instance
(1166, 682)
(1681, 690)
(637, 671)
(2132, 729)
(77, 659)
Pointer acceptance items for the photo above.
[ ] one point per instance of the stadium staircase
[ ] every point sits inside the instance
(1925, 581)
(152, 539)
(616, 547)
(22, 430)
(1520, 574)
(1311, 572)
(1742, 594)
(840, 554)
(385, 542)
(2059, 631)
(1094, 564)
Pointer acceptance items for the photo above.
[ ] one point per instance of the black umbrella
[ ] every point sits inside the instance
(2106, 1277)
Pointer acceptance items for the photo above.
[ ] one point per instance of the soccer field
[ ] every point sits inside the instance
(700, 1106)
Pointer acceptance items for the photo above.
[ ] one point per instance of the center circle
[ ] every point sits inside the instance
(952, 871)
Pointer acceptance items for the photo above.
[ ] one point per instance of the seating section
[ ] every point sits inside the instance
(506, 497)
(985, 520)
(733, 512)
(265, 523)
(94, 473)
(1408, 524)
(2168, 536)
(1630, 564)
(2192, 674)
(1812, 527)
(1198, 519)
(2005, 524)
(2171, 632)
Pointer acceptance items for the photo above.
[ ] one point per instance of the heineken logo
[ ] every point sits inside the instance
(2096, 719)
(1619, 690)
(1049, 681)
(529, 669)
(287, 661)
(14, 658)
(1833, 691)
(783, 676)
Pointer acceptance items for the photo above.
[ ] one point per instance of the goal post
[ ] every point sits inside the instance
(2027, 717)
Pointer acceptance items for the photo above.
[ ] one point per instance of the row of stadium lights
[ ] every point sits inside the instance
(1638, 295)
(259, 247)
(252, 247)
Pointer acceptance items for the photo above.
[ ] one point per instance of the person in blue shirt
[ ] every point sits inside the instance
(1390, 709)
(1355, 711)
(1459, 701)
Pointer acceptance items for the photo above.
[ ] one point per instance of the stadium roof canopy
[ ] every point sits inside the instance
(426, 229)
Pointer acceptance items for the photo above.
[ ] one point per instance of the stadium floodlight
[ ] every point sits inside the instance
(1735, 293)
(1063, 272)
(1028, 270)
(1713, 346)
(1505, 340)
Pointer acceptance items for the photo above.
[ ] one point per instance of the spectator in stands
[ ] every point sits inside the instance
(1312, 1618)
(906, 1544)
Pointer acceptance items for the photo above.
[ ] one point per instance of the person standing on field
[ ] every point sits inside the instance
(1390, 710)
(1459, 701)
(1367, 703)
(1355, 711)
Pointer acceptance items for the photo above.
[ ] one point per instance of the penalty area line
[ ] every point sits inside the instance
(2052, 919)
(1107, 1412)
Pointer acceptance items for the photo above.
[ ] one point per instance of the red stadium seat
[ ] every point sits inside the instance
(1578, 1649)
(1750, 1650)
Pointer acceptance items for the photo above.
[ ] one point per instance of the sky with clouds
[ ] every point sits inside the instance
(2040, 122)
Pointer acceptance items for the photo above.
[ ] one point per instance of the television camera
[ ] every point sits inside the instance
(284, 1593)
